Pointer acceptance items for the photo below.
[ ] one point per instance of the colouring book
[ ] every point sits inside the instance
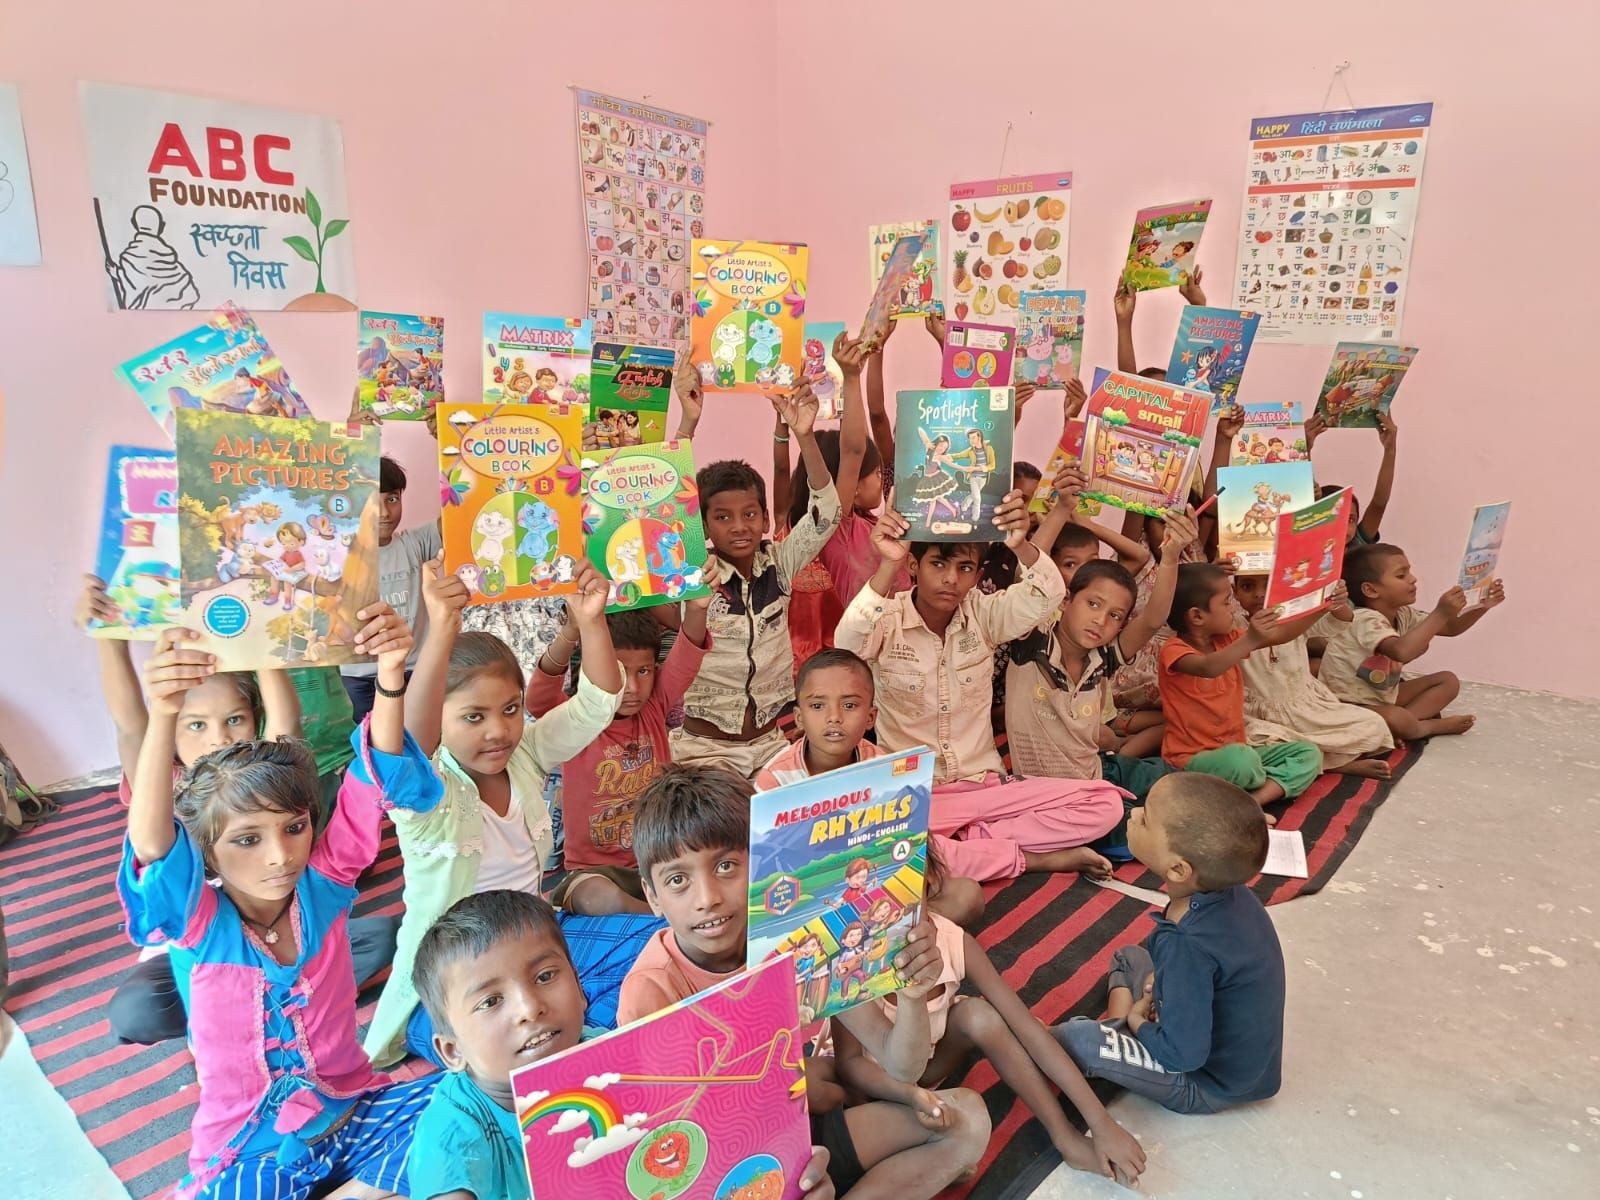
(400, 365)
(1050, 337)
(1309, 555)
(836, 869)
(1005, 235)
(977, 355)
(641, 524)
(277, 537)
(1361, 383)
(540, 360)
(1478, 564)
(1210, 351)
(223, 366)
(138, 555)
(630, 387)
(949, 479)
(1142, 444)
(1068, 453)
(896, 278)
(1272, 433)
(704, 1100)
(747, 325)
(1162, 251)
(821, 371)
(1249, 500)
(918, 295)
(511, 484)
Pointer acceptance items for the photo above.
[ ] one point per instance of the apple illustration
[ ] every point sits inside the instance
(961, 219)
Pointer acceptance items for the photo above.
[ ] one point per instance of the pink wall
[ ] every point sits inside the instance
(863, 125)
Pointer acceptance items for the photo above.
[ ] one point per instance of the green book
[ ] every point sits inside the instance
(629, 390)
(641, 523)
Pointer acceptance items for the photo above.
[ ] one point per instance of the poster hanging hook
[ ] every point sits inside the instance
(1339, 80)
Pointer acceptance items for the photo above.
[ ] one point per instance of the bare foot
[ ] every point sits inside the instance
(1365, 768)
(1271, 820)
(1442, 726)
(1079, 858)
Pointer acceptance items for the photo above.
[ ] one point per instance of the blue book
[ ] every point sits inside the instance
(824, 375)
(953, 461)
(1210, 351)
(138, 554)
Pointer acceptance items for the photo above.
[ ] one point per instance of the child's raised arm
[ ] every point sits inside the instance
(1263, 631)
(1025, 392)
(173, 668)
(781, 468)
(850, 356)
(1067, 484)
(1181, 530)
(1190, 291)
(1123, 302)
(588, 609)
(280, 705)
(687, 388)
(1372, 515)
(806, 539)
(1131, 554)
(119, 682)
(444, 595)
(386, 636)
(877, 413)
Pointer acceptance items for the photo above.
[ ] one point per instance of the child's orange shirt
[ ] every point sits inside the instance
(1202, 714)
(662, 975)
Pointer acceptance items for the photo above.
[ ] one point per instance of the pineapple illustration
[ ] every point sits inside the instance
(961, 281)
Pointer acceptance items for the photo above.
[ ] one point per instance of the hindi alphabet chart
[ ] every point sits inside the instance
(1328, 222)
(642, 173)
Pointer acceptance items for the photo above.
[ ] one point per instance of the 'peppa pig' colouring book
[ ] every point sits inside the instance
(1210, 351)
(748, 318)
(918, 293)
(821, 371)
(399, 365)
(1165, 238)
(1005, 235)
(703, 1100)
(1050, 337)
(977, 355)
(511, 488)
(138, 557)
(1308, 555)
(641, 523)
(539, 360)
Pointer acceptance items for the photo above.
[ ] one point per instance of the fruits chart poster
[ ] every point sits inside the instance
(1006, 236)
(1328, 222)
(642, 174)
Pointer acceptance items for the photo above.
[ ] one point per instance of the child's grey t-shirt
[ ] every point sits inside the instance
(400, 585)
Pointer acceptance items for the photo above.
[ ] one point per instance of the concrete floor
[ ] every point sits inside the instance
(1442, 1038)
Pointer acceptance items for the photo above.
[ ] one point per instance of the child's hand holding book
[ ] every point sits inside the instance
(889, 533)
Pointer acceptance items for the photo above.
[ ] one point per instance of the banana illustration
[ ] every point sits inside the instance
(992, 215)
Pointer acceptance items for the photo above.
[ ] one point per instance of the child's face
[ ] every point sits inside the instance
(1069, 558)
(516, 1003)
(287, 538)
(1396, 587)
(1251, 592)
(213, 715)
(703, 894)
(1096, 613)
(735, 523)
(391, 507)
(1147, 837)
(945, 574)
(1216, 618)
(1027, 485)
(858, 878)
(638, 680)
(483, 722)
(869, 491)
(835, 711)
(1355, 523)
(260, 855)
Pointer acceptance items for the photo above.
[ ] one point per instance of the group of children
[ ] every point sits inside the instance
(1153, 708)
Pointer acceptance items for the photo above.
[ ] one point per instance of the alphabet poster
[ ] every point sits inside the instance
(19, 229)
(1328, 220)
(200, 201)
(643, 175)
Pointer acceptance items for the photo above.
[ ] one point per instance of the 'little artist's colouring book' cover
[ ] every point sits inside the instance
(223, 366)
(511, 487)
(138, 555)
(821, 371)
(1249, 500)
(538, 360)
(1361, 383)
(977, 355)
(918, 293)
(748, 320)
(1483, 549)
(1210, 351)
(951, 476)
(630, 387)
(1050, 337)
(1308, 555)
(704, 1100)
(399, 365)
(277, 537)
(641, 524)
(1162, 251)
(1142, 443)
(836, 870)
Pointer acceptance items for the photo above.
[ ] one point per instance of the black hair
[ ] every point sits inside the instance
(1075, 537)
(828, 443)
(729, 475)
(247, 777)
(1197, 583)
(919, 550)
(249, 690)
(1104, 568)
(1025, 470)
(636, 630)
(466, 930)
(391, 475)
(1154, 373)
(1366, 564)
(478, 653)
(1214, 826)
(823, 660)
(690, 808)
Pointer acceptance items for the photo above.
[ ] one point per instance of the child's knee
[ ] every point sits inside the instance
(976, 1018)
(1449, 681)
(959, 901)
(969, 1127)
(1103, 810)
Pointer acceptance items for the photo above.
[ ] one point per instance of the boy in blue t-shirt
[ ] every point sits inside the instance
(1194, 1020)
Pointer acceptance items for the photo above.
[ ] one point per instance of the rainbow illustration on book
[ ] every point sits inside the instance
(641, 522)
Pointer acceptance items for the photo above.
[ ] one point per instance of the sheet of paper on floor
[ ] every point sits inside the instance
(1286, 854)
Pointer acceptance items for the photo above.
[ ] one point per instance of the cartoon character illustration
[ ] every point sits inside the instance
(546, 386)
(1275, 451)
(538, 521)
(518, 382)
(725, 375)
(1205, 362)
(978, 461)
(470, 575)
(784, 376)
(1122, 457)
(289, 567)
(1174, 261)
(857, 877)
(231, 525)
(936, 483)
(766, 342)
(812, 974)
(666, 556)
(1299, 575)
(494, 528)
(1261, 518)
(624, 562)
(880, 919)
(729, 340)
(1325, 567)
(849, 965)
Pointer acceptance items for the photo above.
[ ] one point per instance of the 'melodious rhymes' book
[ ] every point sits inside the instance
(919, 295)
(1068, 453)
(641, 522)
(896, 279)
(704, 1100)
(223, 366)
(539, 360)
(1272, 433)
(1142, 443)
(277, 537)
(747, 325)
(1308, 555)
(400, 365)
(1362, 380)
(1050, 337)
(1165, 238)
(629, 390)
(1483, 549)
(978, 355)
(1210, 351)
(821, 371)
(1249, 500)
(951, 476)
(511, 486)
(138, 557)
(836, 869)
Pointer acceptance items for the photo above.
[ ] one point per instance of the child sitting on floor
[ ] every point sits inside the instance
(692, 836)
(1362, 663)
(288, 1104)
(1194, 1020)
(1202, 692)
(498, 982)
